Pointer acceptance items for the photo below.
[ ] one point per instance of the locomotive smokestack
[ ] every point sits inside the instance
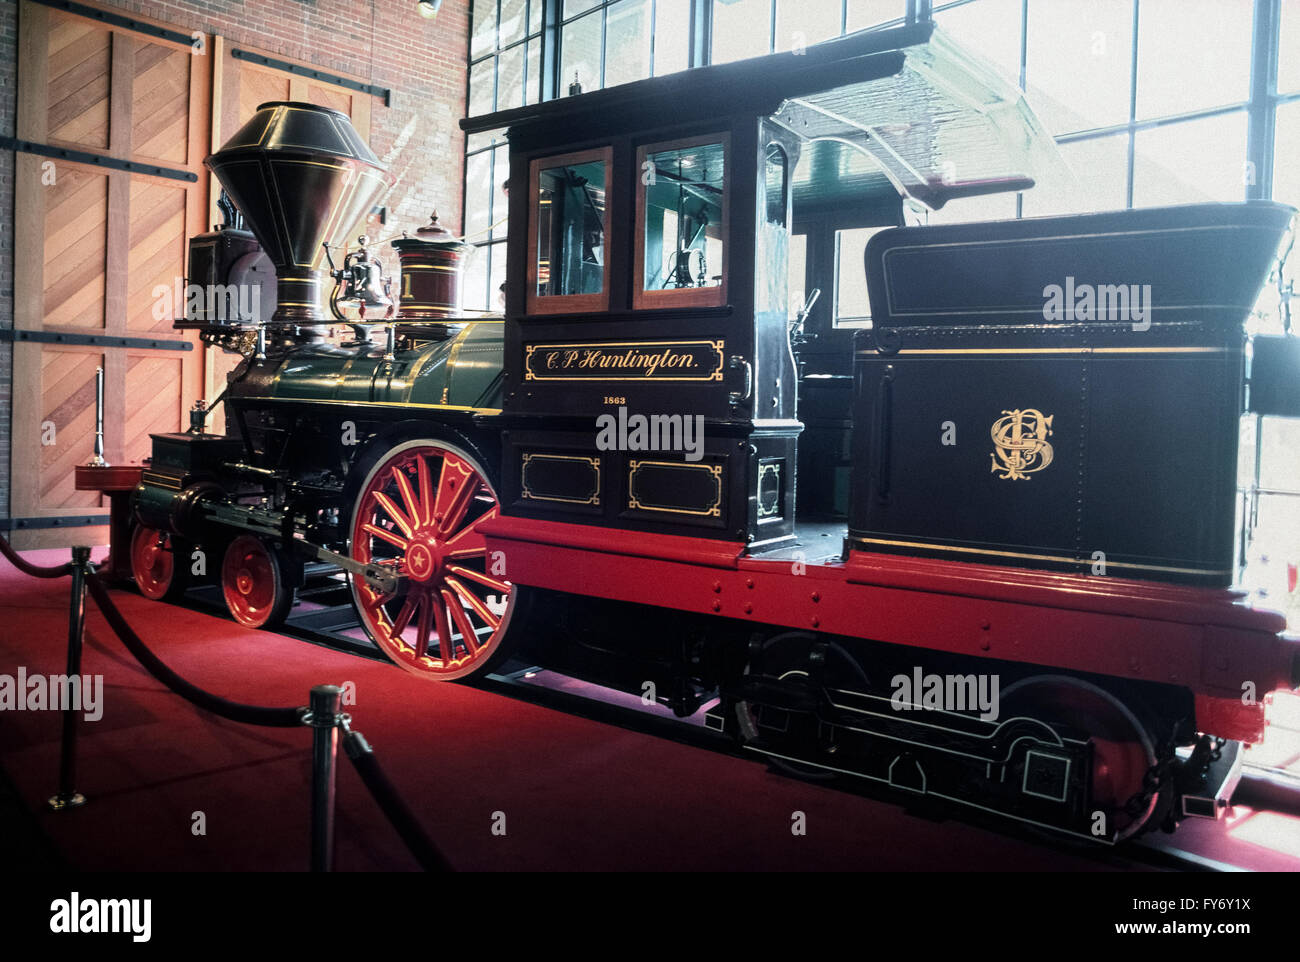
(301, 176)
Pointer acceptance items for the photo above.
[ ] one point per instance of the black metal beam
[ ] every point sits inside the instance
(95, 340)
(118, 20)
(68, 521)
(381, 92)
(97, 160)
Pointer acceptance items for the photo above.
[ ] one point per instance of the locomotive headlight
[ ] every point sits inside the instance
(428, 8)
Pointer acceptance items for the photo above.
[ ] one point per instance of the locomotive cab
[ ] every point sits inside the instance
(652, 287)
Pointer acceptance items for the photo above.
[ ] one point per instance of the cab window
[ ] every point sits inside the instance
(568, 227)
(681, 230)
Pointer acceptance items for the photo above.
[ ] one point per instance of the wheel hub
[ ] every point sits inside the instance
(424, 558)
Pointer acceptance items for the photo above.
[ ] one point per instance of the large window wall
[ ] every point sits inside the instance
(1151, 101)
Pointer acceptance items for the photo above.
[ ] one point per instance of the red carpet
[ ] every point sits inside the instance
(576, 794)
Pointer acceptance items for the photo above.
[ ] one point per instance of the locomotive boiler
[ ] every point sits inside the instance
(1042, 492)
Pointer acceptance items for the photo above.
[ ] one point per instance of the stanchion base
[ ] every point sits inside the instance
(58, 803)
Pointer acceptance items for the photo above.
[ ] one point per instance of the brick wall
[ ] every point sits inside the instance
(384, 42)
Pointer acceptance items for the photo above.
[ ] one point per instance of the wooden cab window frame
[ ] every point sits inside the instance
(566, 303)
(687, 296)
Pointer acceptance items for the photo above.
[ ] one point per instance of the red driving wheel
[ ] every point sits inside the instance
(417, 513)
(254, 584)
(154, 564)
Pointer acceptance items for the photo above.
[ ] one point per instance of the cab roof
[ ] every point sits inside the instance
(937, 121)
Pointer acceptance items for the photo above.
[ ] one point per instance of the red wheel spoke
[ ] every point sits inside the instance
(404, 616)
(388, 536)
(444, 630)
(486, 580)
(423, 627)
(425, 479)
(475, 602)
(456, 485)
(408, 498)
(468, 543)
(395, 513)
(467, 632)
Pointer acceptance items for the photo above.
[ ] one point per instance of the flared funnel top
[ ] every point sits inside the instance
(301, 176)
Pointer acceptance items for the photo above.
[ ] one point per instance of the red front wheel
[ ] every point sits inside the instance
(158, 564)
(255, 583)
(416, 514)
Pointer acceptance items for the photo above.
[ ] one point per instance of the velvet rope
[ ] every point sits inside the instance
(27, 568)
(392, 805)
(248, 714)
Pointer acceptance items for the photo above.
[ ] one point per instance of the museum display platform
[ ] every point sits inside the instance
(577, 794)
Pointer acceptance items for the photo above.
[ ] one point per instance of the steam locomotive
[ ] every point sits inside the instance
(979, 551)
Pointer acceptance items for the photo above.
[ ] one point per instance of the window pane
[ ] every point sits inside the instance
(510, 78)
(497, 278)
(500, 174)
(580, 53)
(800, 23)
(741, 28)
(478, 193)
(1288, 51)
(481, 93)
(683, 218)
(475, 142)
(1286, 148)
(1201, 160)
(535, 17)
(533, 78)
(869, 13)
(852, 306)
(798, 272)
(512, 21)
(483, 35)
(672, 36)
(574, 7)
(570, 229)
(1192, 54)
(1100, 168)
(476, 280)
(627, 42)
(1079, 63)
(990, 28)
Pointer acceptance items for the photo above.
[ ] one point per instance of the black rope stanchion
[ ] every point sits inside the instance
(68, 796)
(324, 719)
(391, 804)
(323, 716)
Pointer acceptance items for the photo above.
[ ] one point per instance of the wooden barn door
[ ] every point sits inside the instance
(242, 80)
(92, 245)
